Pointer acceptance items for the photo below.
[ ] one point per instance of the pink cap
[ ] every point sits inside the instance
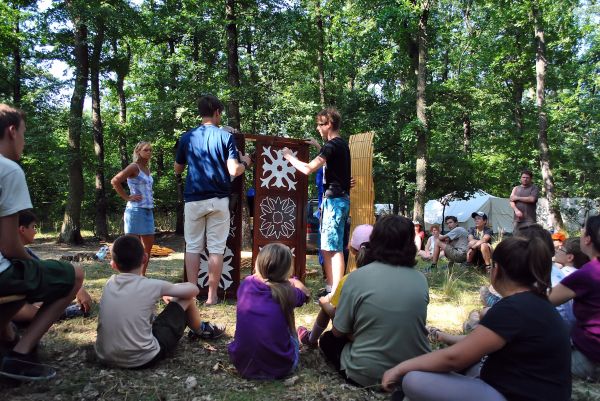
(360, 234)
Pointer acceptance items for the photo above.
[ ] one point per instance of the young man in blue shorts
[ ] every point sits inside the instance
(51, 282)
(335, 156)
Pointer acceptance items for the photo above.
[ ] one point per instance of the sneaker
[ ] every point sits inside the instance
(304, 337)
(321, 293)
(208, 331)
(20, 369)
(72, 311)
(472, 321)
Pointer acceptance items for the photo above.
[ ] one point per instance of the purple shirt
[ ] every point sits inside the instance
(585, 334)
(262, 347)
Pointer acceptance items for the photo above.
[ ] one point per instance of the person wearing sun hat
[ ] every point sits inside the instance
(480, 238)
(419, 235)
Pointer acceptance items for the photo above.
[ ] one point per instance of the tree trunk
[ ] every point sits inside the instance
(17, 67)
(517, 107)
(466, 133)
(253, 82)
(97, 129)
(540, 69)
(421, 165)
(121, 70)
(320, 52)
(233, 77)
(233, 74)
(71, 228)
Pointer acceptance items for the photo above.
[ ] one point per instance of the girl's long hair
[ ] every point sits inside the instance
(136, 151)
(527, 262)
(274, 265)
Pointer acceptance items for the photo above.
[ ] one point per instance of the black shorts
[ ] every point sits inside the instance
(168, 328)
(39, 280)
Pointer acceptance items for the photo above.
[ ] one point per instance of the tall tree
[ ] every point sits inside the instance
(17, 60)
(97, 128)
(421, 155)
(70, 231)
(320, 51)
(233, 72)
(540, 72)
(120, 63)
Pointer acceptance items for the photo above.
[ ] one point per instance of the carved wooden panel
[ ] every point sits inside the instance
(280, 199)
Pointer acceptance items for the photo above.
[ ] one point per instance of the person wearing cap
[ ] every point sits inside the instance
(558, 238)
(480, 238)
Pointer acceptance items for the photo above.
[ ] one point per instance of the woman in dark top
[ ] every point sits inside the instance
(527, 346)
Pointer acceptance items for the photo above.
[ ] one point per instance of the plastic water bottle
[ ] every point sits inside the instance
(101, 254)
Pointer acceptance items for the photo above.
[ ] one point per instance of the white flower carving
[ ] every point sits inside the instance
(277, 169)
(277, 217)
(226, 279)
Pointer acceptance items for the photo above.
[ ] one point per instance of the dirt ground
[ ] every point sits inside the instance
(50, 249)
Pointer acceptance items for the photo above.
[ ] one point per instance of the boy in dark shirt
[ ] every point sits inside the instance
(335, 156)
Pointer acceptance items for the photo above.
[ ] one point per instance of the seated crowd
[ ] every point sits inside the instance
(520, 347)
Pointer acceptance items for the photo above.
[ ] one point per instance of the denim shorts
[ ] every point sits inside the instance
(139, 221)
(333, 222)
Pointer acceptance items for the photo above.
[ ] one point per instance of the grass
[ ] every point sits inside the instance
(69, 345)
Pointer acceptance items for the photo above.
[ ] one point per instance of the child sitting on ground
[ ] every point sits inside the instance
(27, 231)
(265, 344)
(328, 303)
(569, 255)
(127, 337)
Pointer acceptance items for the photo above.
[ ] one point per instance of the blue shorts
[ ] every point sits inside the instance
(139, 221)
(333, 221)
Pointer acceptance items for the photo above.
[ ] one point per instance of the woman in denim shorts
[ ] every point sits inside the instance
(138, 216)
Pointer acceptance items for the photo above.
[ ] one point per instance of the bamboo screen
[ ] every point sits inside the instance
(362, 196)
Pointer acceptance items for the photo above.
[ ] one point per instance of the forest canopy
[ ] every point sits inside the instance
(461, 94)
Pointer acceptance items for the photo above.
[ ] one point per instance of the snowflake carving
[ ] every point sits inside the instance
(277, 217)
(276, 170)
(226, 279)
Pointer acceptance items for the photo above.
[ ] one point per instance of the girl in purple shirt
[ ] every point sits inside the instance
(265, 344)
(583, 286)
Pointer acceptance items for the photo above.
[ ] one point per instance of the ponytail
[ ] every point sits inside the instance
(527, 262)
(274, 265)
(362, 257)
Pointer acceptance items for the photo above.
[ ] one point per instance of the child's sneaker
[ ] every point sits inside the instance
(23, 367)
(208, 331)
(72, 311)
(304, 337)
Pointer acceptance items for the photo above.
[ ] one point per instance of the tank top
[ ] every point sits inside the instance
(141, 185)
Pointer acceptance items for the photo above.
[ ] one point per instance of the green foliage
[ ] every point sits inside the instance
(481, 69)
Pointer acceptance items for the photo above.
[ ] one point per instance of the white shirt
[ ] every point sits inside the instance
(14, 195)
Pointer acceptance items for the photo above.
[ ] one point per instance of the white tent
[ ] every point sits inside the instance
(498, 210)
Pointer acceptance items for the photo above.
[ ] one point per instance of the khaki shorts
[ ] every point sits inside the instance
(455, 255)
(206, 224)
